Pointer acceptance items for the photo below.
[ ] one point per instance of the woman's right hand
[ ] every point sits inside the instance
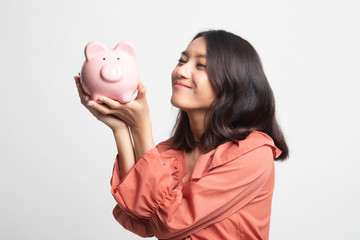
(110, 120)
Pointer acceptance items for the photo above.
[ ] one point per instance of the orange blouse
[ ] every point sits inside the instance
(227, 196)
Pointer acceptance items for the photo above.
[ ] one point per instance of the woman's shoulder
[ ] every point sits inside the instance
(166, 147)
(255, 140)
(254, 144)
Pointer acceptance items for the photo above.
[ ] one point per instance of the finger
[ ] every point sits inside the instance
(98, 107)
(95, 112)
(109, 102)
(141, 92)
(78, 83)
(84, 98)
(79, 86)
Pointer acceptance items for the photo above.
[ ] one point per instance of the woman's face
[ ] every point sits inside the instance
(191, 87)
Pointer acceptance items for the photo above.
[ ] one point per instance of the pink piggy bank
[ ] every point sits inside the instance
(110, 72)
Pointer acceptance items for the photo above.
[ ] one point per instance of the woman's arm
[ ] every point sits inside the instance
(119, 128)
(125, 151)
(142, 137)
(136, 115)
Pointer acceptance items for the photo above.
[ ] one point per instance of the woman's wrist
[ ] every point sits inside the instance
(126, 158)
(142, 138)
(120, 130)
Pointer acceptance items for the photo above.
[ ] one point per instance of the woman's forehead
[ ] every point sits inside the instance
(197, 48)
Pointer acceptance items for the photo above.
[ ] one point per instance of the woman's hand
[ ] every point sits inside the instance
(135, 114)
(113, 122)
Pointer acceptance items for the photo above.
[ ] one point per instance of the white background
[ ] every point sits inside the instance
(56, 159)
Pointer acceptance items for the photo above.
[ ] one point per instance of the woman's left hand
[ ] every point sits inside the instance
(135, 113)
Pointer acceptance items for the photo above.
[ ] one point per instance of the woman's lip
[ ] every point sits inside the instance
(180, 85)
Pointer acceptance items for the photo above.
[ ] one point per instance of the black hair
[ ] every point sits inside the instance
(244, 100)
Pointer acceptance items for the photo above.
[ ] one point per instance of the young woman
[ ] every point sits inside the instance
(214, 178)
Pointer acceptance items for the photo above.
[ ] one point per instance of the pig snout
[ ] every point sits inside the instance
(111, 72)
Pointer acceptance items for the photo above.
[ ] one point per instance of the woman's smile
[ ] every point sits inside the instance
(179, 84)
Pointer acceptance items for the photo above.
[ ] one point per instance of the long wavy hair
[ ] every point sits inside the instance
(244, 100)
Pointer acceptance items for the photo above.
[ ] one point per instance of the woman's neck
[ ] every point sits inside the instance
(197, 124)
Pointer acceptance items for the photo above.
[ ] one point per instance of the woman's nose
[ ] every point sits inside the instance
(184, 71)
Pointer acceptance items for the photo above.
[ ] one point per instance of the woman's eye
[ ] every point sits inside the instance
(182, 60)
(201, 65)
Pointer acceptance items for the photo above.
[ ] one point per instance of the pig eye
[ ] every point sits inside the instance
(118, 58)
(104, 58)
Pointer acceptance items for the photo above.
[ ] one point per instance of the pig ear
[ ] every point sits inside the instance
(126, 47)
(94, 48)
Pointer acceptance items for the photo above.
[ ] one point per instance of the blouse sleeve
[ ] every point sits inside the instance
(146, 192)
(139, 226)
(126, 218)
